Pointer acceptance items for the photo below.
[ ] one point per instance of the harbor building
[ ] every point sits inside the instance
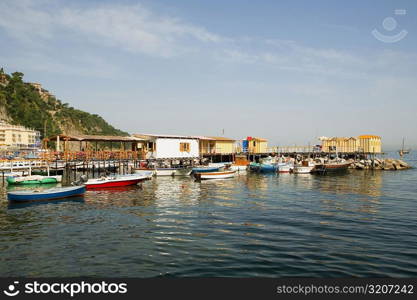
(362, 143)
(370, 144)
(16, 137)
(216, 145)
(341, 144)
(255, 145)
(156, 146)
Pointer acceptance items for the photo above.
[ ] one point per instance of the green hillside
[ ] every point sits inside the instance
(22, 104)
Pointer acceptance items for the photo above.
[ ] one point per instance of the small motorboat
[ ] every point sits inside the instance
(284, 167)
(203, 169)
(338, 166)
(266, 168)
(46, 194)
(116, 181)
(177, 171)
(238, 168)
(215, 175)
(304, 168)
(33, 179)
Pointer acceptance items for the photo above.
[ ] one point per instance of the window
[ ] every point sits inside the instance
(151, 146)
(184, 147)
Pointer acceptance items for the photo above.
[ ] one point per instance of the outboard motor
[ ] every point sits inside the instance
(83, 179)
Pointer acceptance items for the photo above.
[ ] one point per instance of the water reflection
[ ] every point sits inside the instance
(343, 225)
(367, 183)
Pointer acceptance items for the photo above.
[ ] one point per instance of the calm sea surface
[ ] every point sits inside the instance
(362, 223)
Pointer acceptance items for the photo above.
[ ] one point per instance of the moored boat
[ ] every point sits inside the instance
(46, 194)
(178, 171)
(284, 168)
(116, 181)
(33, 179)
(215, 175)
(238, 168)
(204, 169)
(340, 166)
(304, 168)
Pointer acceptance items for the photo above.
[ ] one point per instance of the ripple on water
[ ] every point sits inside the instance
(357, 224)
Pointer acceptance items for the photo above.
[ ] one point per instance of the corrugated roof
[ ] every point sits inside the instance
(259, 139)
(369, 136)
(94, 138)
(217, 138)
(148, 135)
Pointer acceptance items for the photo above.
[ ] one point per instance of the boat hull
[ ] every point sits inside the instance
(264, 168)
(302, 169)
(205, 169)
(24, 180)
(116, 181)
(326, 168)
(284, 168)
(49, 194)
(215, 175)
(167, 171)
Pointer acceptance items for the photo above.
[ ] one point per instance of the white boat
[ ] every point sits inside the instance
(284, 168)
(215, 175)
(304, 168)
(238, 168)
(167, 171)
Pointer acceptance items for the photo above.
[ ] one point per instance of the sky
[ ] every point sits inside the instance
(288, 71)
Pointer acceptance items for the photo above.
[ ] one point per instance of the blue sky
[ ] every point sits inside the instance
(289, 71)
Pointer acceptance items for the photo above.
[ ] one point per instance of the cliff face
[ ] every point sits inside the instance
(30, 105)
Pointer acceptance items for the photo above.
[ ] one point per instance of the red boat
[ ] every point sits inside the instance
(116, 181)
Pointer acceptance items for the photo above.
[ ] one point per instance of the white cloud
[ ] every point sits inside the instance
(129, 27)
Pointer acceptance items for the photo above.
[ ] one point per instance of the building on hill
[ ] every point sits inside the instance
(44, 94)
(15, 137)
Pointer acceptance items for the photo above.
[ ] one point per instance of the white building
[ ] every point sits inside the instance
(18, 137)
(168, 146)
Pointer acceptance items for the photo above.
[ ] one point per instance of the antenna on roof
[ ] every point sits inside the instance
(223, 131)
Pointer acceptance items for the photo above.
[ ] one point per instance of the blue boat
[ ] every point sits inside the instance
(264, 168)
(205, 169)
(47, 194)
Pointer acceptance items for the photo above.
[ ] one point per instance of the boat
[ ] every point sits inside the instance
(284, 167)
(403, 151)
(46, 194)
(255, 167)
(336, 166)
(33, 179)
(238, 168)
(241, 163)
(266, 168)
(304, 168)
(215, 175)
(116, 181)
(177, 171)
(203, 169)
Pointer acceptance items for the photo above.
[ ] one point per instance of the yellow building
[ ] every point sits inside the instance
(363, 143)
(370, 144)
(257, 145)
(216, 145)
(18, 137)
(340, 144)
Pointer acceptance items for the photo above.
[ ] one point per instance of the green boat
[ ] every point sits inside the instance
(35, 179)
